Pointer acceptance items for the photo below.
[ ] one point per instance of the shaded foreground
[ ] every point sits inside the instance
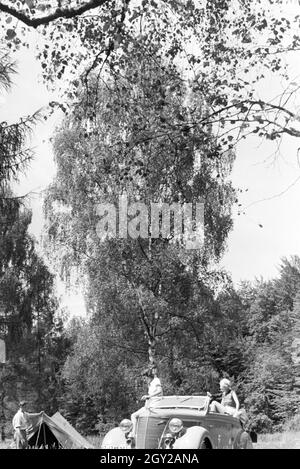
(286, 440)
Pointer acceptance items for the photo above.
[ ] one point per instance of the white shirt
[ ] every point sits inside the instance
(155, 388)
(20, 420)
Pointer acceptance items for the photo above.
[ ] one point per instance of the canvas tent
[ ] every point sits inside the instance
(54, 433)
(63, 423)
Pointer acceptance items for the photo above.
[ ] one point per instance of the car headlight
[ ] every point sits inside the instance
(175, 426)
(126, 426)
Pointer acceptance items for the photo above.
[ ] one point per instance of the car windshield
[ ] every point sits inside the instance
(196, 402)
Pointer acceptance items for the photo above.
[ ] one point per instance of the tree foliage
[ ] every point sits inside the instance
(152, 118)
(192, 357)
(149, 300)
(14, 138)
(28, 307)
(270, 385)
(226, 47)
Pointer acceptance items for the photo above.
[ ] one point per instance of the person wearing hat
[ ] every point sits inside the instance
(154, 393)
(229, 403)
(20, 424)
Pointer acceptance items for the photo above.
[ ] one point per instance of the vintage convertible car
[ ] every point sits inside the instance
(180, 422)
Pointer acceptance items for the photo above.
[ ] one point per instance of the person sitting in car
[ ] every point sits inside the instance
(229, 403)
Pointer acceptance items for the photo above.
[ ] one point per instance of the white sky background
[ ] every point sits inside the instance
(273, 196)
(27, 96)
(252, 251)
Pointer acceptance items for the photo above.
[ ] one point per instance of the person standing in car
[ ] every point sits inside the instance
(154, 393)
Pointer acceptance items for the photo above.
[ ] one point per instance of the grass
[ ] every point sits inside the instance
(5, 444)
(285, 440)
(95, 440)
(288, 439)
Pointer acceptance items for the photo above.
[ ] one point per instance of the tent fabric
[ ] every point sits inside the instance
(63, 423)
(54, 433)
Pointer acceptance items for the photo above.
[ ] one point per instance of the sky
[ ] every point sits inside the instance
(272, 199)
(28, 95)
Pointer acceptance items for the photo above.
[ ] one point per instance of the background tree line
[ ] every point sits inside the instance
(246, 334)
(29, 322)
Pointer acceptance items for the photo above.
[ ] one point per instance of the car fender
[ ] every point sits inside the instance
(115, 439)
(245, 441)
(193, 438)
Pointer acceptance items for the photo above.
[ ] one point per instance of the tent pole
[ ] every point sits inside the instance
(44, 432)
(38, 435)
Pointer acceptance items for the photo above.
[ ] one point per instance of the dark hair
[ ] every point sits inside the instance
(147, 373)
(150, 372)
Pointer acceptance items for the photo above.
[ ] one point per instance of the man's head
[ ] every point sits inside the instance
(22, 405)
(150, 373)
(147, 375)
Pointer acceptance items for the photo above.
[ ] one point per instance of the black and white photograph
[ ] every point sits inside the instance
(149, 227)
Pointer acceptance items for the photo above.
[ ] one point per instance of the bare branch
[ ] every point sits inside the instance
(59, 13)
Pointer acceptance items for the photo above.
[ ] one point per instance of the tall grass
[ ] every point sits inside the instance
(95, 440)
(288, 438)
(293, 425)
(7, 444)
(285, 440)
